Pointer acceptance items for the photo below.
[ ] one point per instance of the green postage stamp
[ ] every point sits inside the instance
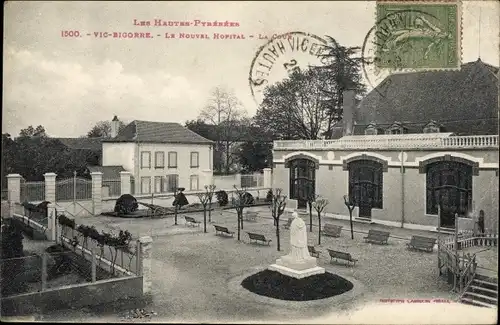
(418, 35)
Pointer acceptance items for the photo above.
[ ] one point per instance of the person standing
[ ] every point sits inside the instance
(480, 222)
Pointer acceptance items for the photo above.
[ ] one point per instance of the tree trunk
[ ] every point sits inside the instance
(352, 230)
(278, 233)
(241, 218)
(319, 228)
(204, 218)
(210, 211)
(239, 224)
(175, 214)
(310, 218)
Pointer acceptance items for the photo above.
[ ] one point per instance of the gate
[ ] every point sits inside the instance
(32, 191)
(73, 190)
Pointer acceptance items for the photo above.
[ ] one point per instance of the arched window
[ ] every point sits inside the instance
(366, 183)
(449, 183)
(302, 180)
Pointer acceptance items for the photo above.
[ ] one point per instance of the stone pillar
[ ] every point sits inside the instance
(14, 188)
(51, 221)
(268, 178)
(50, 186)
(146, 244)
(125, 183)
(237, 181)
(96, 193)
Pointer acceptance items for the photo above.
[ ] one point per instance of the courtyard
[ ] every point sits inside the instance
(194, 273)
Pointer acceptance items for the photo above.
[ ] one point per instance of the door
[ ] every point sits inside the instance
(302, 181)
(365, 198)
(449, 203)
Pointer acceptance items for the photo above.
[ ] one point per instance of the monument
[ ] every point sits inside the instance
(298, 263)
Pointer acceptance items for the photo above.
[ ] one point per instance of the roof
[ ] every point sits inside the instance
(108, 172)
(464, 101)
(158, 132)
(93, 144)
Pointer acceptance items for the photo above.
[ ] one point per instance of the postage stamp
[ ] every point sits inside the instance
(282, 55)
(418, 35)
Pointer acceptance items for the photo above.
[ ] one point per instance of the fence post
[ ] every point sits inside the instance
(146, 243)
(51, 221)
(237, 180)
(96, 193)
(94, 266)
(268, 178)
(50, 187)
(14, 188)
(125, 183)
(44, 271)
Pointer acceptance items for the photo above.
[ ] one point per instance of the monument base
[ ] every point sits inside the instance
(298, 274)
(303, 264)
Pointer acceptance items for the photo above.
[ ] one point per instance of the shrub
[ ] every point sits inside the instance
(180, 200)
(65, 221)
(222, 198)
(126, 204)
(248, 198)
(269, 196)
(12, 240)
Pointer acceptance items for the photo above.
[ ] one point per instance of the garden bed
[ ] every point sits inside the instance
(275, 285)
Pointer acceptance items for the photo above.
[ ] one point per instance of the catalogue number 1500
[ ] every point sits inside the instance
(70, 33)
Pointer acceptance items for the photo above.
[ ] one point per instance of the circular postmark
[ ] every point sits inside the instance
(282, 55)
(409, 40)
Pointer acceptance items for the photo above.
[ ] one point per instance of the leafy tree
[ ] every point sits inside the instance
(102, 129)
(319, 205)
(277, 209)
(33, 132)
(255, 156)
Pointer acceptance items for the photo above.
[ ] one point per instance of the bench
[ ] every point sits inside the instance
(334, 255)
(332, 230)
(421, 243)
(190, 221)
(251, 216)
(377, 236)
(313, 251)
(223, 231)
(289, 223)
(258, 238)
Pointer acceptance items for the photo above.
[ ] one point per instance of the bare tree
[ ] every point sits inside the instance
(226, 113)
(310, 200)
(210, 189)
(203, 197)
(350, 206)
(278, 205)
(319, 205)
(241, 201)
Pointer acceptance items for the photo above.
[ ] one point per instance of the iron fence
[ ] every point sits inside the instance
(32, 191)
(112, 187)
(74, 188)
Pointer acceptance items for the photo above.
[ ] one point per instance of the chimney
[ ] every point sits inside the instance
(115, 125)
(348, 106)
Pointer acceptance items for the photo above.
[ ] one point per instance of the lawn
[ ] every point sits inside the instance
(191, 270)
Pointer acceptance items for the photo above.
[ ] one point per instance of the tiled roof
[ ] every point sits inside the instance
(464, 101)
(108, 172)
(93, 144)
(158, 132)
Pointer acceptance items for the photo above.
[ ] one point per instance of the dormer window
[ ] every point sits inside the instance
(432, 127)
(371, 129)
(396, 128)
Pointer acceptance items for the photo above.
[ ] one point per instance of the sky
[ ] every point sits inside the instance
(67, 83)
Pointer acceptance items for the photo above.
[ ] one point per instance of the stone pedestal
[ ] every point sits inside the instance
(298, 269)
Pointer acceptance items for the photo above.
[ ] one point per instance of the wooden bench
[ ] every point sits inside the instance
(223, 231)
(313, 251)
(332, 230)
(190, 221)
(289, 223)
(258, 238)
(251, 216)
(421, 243)
(334, 255)
(377, 236)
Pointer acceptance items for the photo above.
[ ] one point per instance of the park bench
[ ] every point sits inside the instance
(289, 223)
(258, 238)
(313, 251)
(422, 243)
(251, 216)
(332, 230)
(223, 231)
(334, 255)
(377, 236)
(190, 221)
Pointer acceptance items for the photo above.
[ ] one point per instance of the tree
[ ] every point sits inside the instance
(319, 205)
(203, 197)
(350, 206)
(242, 200)
(102, 129)
(311, 198)
(210, 193)
(225, 112)
(31, 132)
(255, 156)
(295, 107)
(278, 205)
(341, 70)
